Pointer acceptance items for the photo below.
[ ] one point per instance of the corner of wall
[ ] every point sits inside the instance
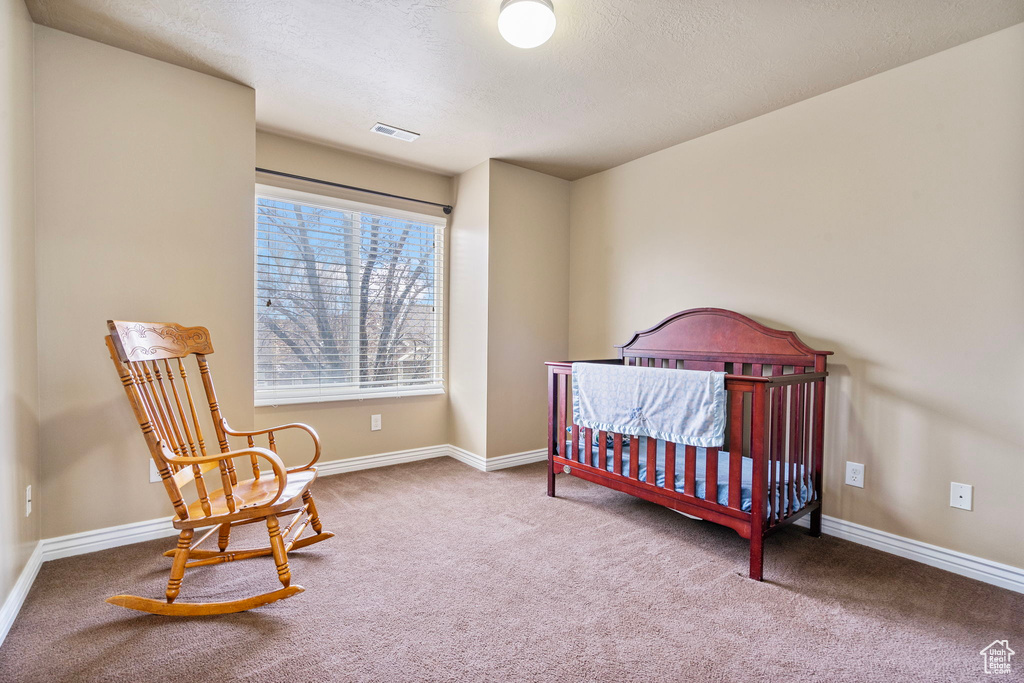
(19, 412)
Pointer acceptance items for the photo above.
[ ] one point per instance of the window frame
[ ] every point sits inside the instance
(327, 393)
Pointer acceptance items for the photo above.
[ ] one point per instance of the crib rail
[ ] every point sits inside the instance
(774, 418)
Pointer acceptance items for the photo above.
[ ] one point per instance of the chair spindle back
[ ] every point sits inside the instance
(147, 356)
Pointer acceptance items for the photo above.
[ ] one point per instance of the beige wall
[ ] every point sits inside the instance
(291, 155)
(468, 243)
(144, 210)
(509, 281)
(883, 220)
(527, 301)
(19, 420)
(344, 426)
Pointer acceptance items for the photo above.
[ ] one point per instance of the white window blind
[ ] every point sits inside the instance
(348, 299)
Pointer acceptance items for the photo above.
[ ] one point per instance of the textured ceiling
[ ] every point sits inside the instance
(618, 80)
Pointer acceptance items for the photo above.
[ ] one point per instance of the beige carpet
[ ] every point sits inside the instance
(441, 572)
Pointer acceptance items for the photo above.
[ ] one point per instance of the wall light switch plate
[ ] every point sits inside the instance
(375, 423)
(961, 496)
(28, 500)
(855, 474)
(154, 473)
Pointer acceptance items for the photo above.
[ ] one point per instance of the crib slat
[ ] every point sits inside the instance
(735, 446)
(808, 440)
(799, 470)
(602, 449)
(690, 471)
(802, 466)
(759, 413)
(737, 368)
(798, 390)
(735, 480)
(562, 380)
(617, 452)
(575, 443)
(735, 413)
(798, 462)
(772, 399)
(808, 458)
(634, 457)
(774, 473)
(780, 453)
(670, 465)
(756, 369)
(711, 475)
(652, 461)
(805, 435)
(588, 446)
(794, 453)
(783, 462)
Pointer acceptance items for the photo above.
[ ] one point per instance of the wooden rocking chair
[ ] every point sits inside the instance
(147, 356)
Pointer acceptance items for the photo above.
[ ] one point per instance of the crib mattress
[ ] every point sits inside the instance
(782, 487)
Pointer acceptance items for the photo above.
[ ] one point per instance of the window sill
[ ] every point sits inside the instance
(272, 401)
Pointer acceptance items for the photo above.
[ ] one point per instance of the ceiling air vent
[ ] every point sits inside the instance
(393, 132)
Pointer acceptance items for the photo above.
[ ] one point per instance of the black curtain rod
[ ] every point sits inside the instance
(444, 207)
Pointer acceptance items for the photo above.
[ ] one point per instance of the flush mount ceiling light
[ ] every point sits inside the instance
(526, 23)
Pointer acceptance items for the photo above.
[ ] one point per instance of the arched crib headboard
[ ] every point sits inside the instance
(711, 338)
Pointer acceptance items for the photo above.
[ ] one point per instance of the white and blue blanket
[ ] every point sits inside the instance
(682, 406)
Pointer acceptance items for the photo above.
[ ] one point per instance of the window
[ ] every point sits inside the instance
(348, 299)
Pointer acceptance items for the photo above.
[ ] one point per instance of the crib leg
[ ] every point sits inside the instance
(816, 522)
(551, 477)
(756, 557)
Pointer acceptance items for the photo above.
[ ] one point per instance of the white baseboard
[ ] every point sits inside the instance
(16, 598)
(366, 462)
(515, 459)
(109, 537)
(988, 571)
(499, 463)
(464, 456)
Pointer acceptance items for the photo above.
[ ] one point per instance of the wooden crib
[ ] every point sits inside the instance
(775, 418)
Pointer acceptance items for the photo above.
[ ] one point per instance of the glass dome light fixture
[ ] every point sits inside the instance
(526, 23)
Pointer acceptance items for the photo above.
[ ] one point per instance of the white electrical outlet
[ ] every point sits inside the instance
(28, 500)
(375, 423)
(154, 473)
(961, 496)
(854, 474)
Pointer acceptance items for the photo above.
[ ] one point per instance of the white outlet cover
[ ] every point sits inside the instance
(961, 496)
(855, 474)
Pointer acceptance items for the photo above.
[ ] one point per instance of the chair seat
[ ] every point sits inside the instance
(249, 493)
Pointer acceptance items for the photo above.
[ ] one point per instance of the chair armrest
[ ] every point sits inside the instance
(270, 430)
(275, 463)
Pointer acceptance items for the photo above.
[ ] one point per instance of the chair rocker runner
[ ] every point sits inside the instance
(148, 356)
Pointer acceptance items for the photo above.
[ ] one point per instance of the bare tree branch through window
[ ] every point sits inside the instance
(345, 300)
